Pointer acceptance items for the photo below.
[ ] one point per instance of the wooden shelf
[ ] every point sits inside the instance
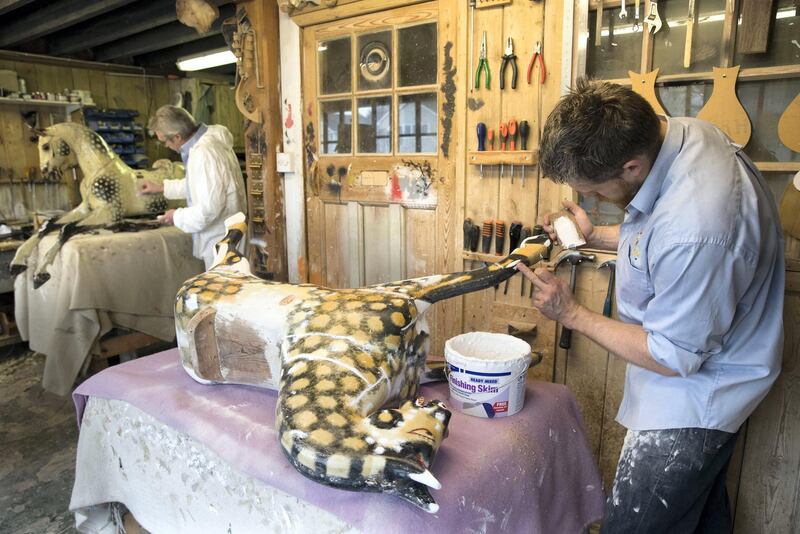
(497, 157)
(68, 106)
(777, 166)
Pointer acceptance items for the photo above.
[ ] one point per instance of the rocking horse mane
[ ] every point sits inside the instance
(77, 134)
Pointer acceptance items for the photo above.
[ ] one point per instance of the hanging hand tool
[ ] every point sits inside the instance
(541, 237)
(512, 135)
(524, 129)
(468, 226)
(687, 48)
(598, 26)
(573, 257)
(500, 236)
(471, 234)
(509, 57)
(503, 137)
(537, 57)
(652, 19)
(623, 12)
(636, 15)
(483, 65)
(481, 129)
(524, 234)
(514, 232)
(490, 138)
(471, 32)
(612, 268)
(486, 236)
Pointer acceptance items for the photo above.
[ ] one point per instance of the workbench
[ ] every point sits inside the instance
(188, 457)
(125, 280)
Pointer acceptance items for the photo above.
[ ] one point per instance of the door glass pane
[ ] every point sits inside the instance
(784, 36)
(375, 61)
(335, 69)
(620, 47)
(418, 121)
(375, 125)
(417, 47)
(670, 42)
(336, 127)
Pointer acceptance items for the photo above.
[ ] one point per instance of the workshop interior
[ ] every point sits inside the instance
(307, 266)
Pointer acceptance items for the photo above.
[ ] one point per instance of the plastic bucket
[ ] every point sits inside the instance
(486, 373)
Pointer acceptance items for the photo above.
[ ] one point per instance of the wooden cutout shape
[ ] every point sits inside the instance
(645, 85)
(789, 125)
(724, 110)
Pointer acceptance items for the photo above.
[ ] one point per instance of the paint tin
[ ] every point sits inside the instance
(486, 373)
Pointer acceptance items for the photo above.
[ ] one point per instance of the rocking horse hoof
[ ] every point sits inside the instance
(40, 279)
(17, 269)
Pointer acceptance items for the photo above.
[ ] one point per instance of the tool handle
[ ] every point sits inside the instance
(474, 235)
(486, 233)
(500, 236)
(490, 138)
(481, 130)
(514, 73)
(609, 294)
(514, 232)
(524, 130)
(467, 229)
(565, 341)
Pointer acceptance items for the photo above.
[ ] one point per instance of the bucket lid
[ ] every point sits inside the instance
(486, 348)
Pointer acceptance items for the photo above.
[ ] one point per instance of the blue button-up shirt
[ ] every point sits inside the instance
(700, 266)
(185, 148)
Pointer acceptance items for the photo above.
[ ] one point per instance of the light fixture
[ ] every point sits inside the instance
(206, 60)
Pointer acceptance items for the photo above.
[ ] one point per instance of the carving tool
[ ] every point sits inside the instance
(471, 233)
(500, 236)
(537, 57)
(509, 57)
(524, 234)
(524, 130)
(490, 138)
(503, 137)
(483, 66)
(598, 26)
(481, 129)
(486, 236)
(512, 135)
(687, 48)
(514, 232)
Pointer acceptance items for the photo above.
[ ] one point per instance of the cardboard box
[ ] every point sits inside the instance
(9, 81)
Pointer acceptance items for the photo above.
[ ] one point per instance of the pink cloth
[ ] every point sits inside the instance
(532, 472)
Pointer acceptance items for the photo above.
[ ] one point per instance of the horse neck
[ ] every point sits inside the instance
(89, 158)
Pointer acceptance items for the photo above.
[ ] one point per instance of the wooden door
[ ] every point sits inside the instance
(371, 87)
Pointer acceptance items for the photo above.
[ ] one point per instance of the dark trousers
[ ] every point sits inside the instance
(671, 481)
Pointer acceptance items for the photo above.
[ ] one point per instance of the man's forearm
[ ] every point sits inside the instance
(605, 237)
(628, 341)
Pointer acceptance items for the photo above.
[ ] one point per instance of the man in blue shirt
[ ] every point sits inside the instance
(700, 281)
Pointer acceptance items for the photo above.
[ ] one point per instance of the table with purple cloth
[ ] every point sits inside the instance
(187, 457)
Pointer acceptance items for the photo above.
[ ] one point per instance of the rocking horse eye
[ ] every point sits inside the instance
(46, 146)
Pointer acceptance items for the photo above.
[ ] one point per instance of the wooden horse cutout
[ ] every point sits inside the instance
(108, 189)
(724, 110)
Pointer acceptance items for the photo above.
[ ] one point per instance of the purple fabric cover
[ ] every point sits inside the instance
(531, 472)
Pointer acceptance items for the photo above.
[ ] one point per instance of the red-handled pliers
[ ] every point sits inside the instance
(537, 55)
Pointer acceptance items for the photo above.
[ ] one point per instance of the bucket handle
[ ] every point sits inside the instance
(536, 358)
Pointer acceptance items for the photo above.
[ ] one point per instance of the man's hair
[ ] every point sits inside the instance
(594, 130)
(172, 121)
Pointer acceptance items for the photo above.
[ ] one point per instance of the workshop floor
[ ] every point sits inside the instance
(38, 436)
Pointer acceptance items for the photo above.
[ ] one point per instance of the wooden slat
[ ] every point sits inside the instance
(756, 18)
(378, 233)
(346, 9)
(337, 246)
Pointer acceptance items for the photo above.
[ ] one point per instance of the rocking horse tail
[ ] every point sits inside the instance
(227, 256)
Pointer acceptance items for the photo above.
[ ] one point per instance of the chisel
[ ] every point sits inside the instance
(524, 234)
(514, 232)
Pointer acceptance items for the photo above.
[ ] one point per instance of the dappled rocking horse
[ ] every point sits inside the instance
(346, 363)
(108, 190)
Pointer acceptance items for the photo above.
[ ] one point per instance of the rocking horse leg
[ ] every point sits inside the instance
(67, 231)
(20, 261)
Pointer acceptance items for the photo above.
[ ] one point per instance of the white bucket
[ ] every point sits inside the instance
(487, 373)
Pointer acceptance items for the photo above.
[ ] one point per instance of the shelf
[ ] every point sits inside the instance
(777, 166)
(508, 157)
(68, 106)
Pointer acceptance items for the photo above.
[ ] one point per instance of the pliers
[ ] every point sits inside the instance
(483, 65)
(537, 55)
(509, 57)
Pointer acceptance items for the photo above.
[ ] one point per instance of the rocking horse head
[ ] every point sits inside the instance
(55, 155)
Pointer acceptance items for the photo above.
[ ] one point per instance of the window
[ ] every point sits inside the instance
(389, 78)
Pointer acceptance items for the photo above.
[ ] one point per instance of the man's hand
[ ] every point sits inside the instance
(585, 225)
(167, 218)
(552, 296)
(146, 187)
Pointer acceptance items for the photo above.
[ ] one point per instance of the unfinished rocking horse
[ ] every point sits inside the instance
(108, 189)
(346, 363)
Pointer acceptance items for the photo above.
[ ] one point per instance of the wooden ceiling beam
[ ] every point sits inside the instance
(170, 55)
(56, 16)
(11, 5)
(166, 36)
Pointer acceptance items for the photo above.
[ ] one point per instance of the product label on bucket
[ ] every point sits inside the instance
(486, 394)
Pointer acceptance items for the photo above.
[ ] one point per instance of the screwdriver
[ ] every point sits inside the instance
(524, 130)
(471, 232)
(499, 241)
(486, 232)
(481, 129)
(514, 232)
(504, 137)
(490, 138)
(524, 234)
(512, 134)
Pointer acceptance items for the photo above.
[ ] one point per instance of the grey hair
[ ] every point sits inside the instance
(594, 130)
(172, 121)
